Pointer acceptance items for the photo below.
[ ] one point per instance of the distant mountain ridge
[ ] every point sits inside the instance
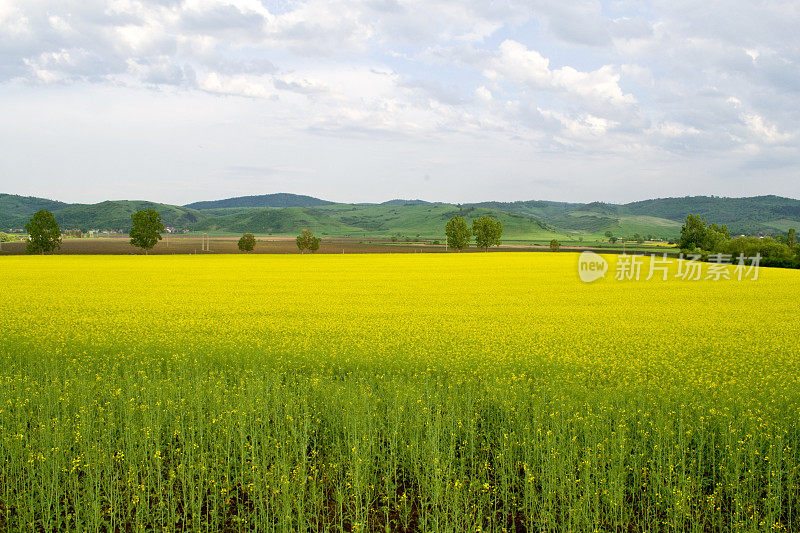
(280, 199)
(285, 213)
(399, 201)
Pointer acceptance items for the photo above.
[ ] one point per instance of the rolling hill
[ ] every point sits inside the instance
(117, 215)
(287, 214)
(757, 214)
(264, 200)
(16, 210)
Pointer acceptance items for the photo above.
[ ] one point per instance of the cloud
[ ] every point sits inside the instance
(701, 82)
(517, 64)
(766, 132)
(483, 93)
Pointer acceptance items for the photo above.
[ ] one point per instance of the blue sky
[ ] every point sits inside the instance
(459, 101)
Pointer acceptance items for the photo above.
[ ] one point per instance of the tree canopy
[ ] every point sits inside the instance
(458, 233)
(45, 235)
(147, 228)
(696, 233)
(307, 241)
(247, 242)
(487, 231)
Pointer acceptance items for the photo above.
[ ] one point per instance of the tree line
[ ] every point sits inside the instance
(701, 238)
(44, 234)
(486, 230)
(697, 236)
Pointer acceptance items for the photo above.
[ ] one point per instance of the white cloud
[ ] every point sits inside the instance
(236, 85)
(705, 82)
(766, 132)
(515, 63)
(483, 93)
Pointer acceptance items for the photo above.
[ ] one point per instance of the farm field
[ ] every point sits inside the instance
(227, 244)
(393, 392)
(224, 244)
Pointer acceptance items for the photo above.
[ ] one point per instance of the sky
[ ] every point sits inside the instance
(368, 100)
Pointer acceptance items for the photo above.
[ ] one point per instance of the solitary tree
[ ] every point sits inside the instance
(307, 241)
(45, 235)
(487, 232)
(247, 243)
(458, 234)
(792, 237)
(554, 245)
(147, 228)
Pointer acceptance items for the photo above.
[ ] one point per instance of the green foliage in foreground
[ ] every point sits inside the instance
(44, 233)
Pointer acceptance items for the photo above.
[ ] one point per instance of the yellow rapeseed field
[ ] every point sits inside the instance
(418, 392)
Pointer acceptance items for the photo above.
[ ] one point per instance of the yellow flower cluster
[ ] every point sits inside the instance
(428, 392)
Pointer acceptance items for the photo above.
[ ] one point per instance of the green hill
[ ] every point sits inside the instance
(281, 199)
(589, 221)
(398, 201)
(347, 220)
(289, 220)
(757, 214)
(279, 214)
(116, 215)
(540, 209)
(428, 220)
(15, 211)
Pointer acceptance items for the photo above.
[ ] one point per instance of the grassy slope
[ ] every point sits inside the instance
(369, 221)
(662, 217)
(117, 215)
(429, 220)
(594, 225)
(290, 220)
(589, 221)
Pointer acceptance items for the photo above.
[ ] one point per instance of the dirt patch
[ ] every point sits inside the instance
(172, 245)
